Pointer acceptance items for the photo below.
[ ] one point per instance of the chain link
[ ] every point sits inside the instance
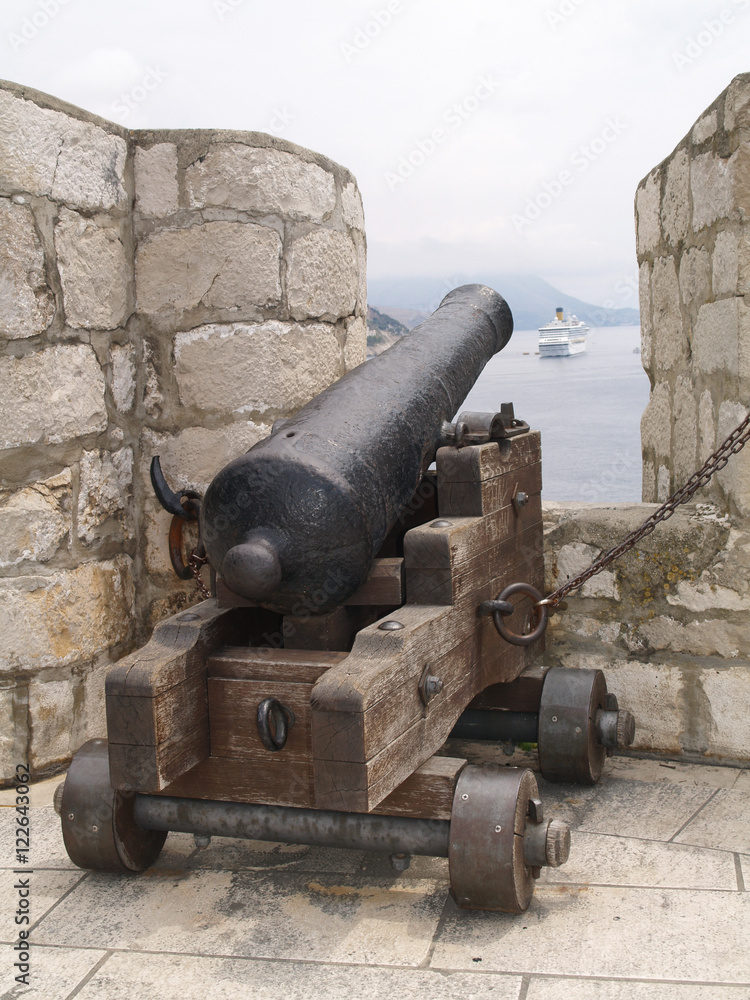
(716, 461)
(195, 562)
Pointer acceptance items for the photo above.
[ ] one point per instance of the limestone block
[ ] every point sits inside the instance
(267, 181)
(644, 301)
(355, 345)
(711, 188)
(10, 752)
(54, 395)
(726, 691)
(706, 595)
(648, 229)
(122, 359)
(743, 347)
(94, 720)
(685, 431)
(49, 153)
(52, 710)
(236, 368)
(153, 397)
(663, 484)
(222, 265)
(35, 520)
(189, 460)
(737, 105)
(648, 482)
(156, 189)
(67, 617)
(695, 278)
(704, 128)
(572, 559)
(26, 303)
(716, 337)
(351, 206)
(656, 421)
(707, 637)
(104, 494)
(743, 254)
(94, 271)
(675, 206)
(706, 426)
(734, 478)
(362, 269)
(323, 276)
(725, 263)
(669, 340)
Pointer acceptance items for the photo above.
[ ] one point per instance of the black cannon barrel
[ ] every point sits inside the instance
(295, 523)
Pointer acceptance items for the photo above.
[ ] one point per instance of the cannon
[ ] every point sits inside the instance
(351, 629)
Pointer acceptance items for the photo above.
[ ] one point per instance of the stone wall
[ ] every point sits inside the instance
(669, 622)
(693, 244)
(165, 293)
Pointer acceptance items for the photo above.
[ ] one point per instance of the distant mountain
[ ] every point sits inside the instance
(532, 300)
(382, 331)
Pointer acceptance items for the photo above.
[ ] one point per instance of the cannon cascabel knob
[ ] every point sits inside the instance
(252, 569)
(625, 728)
(557, 846)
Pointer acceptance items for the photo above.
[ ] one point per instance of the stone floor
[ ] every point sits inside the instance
(652, 905)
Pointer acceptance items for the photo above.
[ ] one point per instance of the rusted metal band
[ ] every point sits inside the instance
(540, 611)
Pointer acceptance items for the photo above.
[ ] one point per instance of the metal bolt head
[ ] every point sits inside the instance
(71, 816)
(441, 524)
(522, 498)
(95, 828)
(390, 626)
(400, 862)
(498, 828)
(554, 718)
(465, 796)
(201, 841)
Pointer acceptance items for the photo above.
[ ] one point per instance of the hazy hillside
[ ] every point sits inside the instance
(532, 300)
(382, 331)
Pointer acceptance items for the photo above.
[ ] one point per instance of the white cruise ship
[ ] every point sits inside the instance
(561, 338)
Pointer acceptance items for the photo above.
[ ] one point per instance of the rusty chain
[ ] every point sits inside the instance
(716, 461)
(195, 562)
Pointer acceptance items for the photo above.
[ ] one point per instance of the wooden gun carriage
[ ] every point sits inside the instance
(309, 698)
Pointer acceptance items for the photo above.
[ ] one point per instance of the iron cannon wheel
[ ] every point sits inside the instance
(569, 748)
(98, 826)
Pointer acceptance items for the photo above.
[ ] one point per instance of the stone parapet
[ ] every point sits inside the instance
(163, 292)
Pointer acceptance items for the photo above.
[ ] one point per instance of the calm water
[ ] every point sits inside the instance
(588, 409)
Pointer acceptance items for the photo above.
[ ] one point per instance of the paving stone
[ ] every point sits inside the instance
(46, 888)
(128, 977)
(47, 847)
(599, 989)
(742, 784)
(644, 811)
(55, 972)
(677, 934)
(617, 860)
(678, 772)
(724, 823)
(321, 917)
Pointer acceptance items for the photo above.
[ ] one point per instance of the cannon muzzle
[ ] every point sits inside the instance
(295, 523)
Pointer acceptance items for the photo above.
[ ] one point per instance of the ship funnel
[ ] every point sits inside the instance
(559, 313)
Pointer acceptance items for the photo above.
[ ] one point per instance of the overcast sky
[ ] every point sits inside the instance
(485, 135)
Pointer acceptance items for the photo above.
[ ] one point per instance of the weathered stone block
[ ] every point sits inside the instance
(35, 520)
(268, 181)
(716, 337)
(51, 396)
(69, 616)
(647, 204)
(323, 276)
(104, 494)
(704, 128)
(243, 368)
(351, 206)
(355, 345)
(26, 303)
(695, 278)
(94, 271)
(685, 432)
(222, 265)
(711, 188)
(670, 346)
(706, 426)
(656, 422)
(734, 478)
(153, 396)
(122, 359)
(644, 302)
(156, 189)
(572, 559)
(189, 459)
(11, 750)
(726, 690)
(675, 206)
(663, 484)
(725, 263)
(52, 710)
(706, 637)
(49, 153)
(737, 104)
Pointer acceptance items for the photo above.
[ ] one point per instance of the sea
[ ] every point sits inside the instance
(587, 407)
